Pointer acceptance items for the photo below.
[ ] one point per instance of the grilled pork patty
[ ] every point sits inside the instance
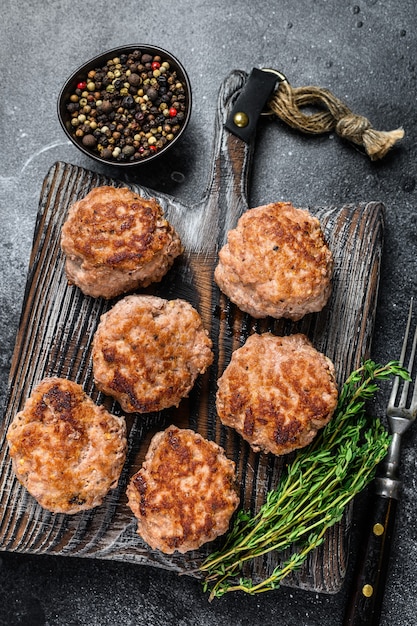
(148, 352)
(276, 263)
(115, 241)
(185, 493)
(277, 392)
(67, 451)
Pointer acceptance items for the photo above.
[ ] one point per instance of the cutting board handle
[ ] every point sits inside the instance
(232, 157)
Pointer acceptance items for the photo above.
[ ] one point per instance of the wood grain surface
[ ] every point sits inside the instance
(58, 323)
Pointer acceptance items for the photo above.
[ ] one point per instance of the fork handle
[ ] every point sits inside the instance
(365, 604)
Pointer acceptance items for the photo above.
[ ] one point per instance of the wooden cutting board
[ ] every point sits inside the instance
(58, 323)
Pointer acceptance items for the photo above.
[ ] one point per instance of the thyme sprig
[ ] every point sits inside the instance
(312, 493)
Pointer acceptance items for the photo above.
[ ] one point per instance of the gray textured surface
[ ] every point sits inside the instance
(365, 52)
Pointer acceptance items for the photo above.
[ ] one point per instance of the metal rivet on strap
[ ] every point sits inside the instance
(240, 119)
(367, 591)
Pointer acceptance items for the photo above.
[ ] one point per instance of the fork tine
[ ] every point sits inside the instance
(410, 368)
(403, 399)
(406, 385)
(404, 394)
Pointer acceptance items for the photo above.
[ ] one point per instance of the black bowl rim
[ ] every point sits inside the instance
(91, 64)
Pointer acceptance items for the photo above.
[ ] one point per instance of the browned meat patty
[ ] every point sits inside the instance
(276, 263)
(148, 352)
(67, 451)
(116, 241)
(277, 392)
(185, 493)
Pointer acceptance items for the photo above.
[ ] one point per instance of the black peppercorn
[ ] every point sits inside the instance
(106, 107)
(128, 102)
(134, 80)
(72, 107)
(89, 141)
(128, 151)
(152, 94)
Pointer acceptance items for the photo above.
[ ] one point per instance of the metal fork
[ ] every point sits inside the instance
(365, 604)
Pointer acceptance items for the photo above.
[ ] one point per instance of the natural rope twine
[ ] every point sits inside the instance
(287, 101)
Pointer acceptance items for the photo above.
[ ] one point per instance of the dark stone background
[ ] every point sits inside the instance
(364, 51)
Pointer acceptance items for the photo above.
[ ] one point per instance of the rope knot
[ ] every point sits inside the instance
(352, 127)
(288, 103)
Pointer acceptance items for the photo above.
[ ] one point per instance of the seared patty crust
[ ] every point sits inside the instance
(276, 263)
(115, 241)
(148, 352)
(277, 392)
(67, 451)
(185, 493)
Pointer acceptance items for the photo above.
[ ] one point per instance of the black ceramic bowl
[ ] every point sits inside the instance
(146, 112)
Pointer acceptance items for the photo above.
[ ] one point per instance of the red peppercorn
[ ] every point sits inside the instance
(153, 148)
(172, 112)
(82, 85)
(155, 65)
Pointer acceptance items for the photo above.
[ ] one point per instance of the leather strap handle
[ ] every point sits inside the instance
(248, 107)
